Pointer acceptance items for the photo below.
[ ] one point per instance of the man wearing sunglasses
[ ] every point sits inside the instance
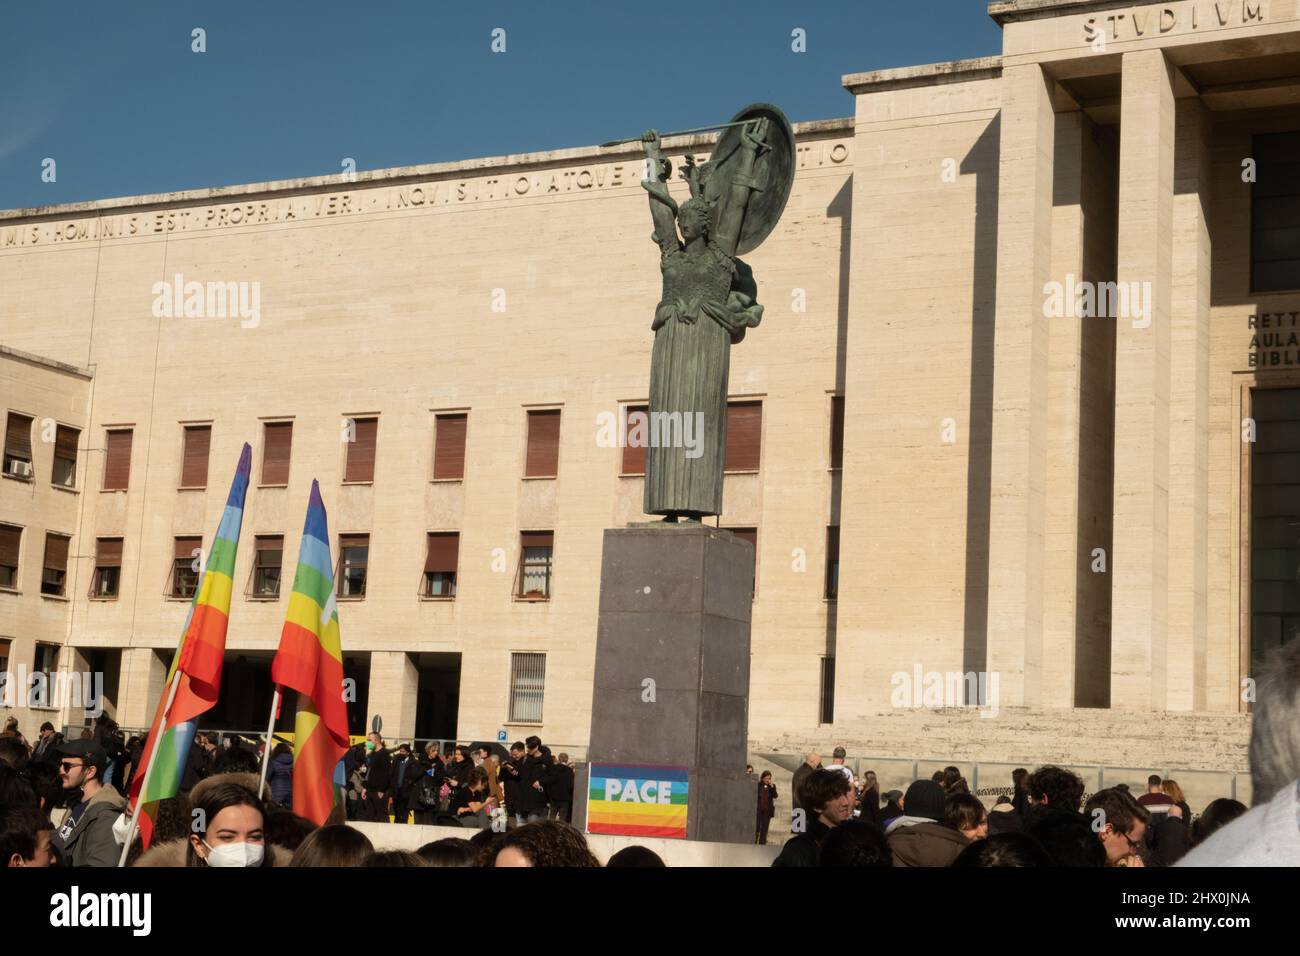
(86, 837)
(1120, 823)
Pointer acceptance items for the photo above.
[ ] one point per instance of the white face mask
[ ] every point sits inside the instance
(121, 827)
(235, 854)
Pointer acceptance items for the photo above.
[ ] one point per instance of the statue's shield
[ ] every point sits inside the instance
(773, 172)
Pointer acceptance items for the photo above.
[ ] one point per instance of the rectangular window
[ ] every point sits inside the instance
(194, 456)
(186, 567)
(354, 554)
(527, 688)
(536, 549)
(65, 456)
(10, 543)
(277, 442)
(636, 436)
(827, 704)
(361, 449)
(117, 459)
(54, 572)
(4, 656)
(750, 535)
(440, 564)
(744, 431)
(108, 568)
(47, 663)
(18, 447)
(1275, 522)
(832, 562)
(837, 431)
(268, 554)
(449, 447)
(1275, 213)
(543, 459)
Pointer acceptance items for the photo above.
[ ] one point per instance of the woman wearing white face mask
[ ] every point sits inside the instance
(225, 829)
(233, 835)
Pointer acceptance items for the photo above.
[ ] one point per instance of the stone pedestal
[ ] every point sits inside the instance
(672, 668)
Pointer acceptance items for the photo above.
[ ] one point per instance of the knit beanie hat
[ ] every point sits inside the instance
(924, 798)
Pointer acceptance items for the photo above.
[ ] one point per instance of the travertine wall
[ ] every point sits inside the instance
(377, 298)
(51, 394)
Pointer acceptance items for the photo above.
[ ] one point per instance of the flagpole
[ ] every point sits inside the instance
(270, 732)
(148, 771)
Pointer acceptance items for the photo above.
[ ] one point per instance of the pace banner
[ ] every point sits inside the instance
(638, 800)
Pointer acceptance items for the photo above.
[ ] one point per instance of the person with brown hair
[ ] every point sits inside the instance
(1120, 825)
(966, 814)
(333, 845)
(826, 801)
(387, 858)
(545, 843)
(472, 803)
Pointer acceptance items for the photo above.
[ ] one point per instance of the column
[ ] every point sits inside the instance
(394, 683)
(1139, 569)
(1020, 384)
(1189, 400)
(140, 687)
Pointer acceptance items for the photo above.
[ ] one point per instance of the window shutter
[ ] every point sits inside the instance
(194, 466)
(117, 460)
(537, 539)
(449, 446)
(185, 547)
(543, 444)
(636, 420)
(837, 431)
(444, 550)
(361, 453)
(744, 428)
(355, 541)
(277, 443)
(56, 552)
(9, 539)
(746, 534)
(833, 543)
(269, 543)
(18, 436)
(108, 553)
(65, 442)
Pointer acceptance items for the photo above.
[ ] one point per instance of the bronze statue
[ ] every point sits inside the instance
(708, 301)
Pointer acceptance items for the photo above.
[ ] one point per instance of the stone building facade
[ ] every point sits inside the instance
(1051, 296)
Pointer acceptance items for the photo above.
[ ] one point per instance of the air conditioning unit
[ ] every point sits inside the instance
(19, 468)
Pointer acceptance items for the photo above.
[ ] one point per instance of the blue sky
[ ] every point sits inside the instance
(287, 88)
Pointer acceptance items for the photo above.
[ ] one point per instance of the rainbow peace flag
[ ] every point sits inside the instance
(641, 801)
(310, 661)
(198, 661)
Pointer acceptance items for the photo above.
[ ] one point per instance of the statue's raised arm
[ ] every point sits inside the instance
(663, 208)
(753, 144)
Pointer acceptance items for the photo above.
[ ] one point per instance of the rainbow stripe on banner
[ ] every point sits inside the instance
(198, 661)
(638, 800)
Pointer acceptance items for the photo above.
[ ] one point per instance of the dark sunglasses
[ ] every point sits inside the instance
(64, 765)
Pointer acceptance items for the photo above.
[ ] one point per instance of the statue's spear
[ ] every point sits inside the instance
(678, 132)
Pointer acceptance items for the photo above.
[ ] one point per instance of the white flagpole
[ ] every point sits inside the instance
(270, 732)
(148, 771)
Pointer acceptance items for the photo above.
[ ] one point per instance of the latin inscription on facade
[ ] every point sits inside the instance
(364, 198)
(1171, 19)
(1274, 340)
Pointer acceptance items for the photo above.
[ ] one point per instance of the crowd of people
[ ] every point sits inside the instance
(62, 802)
(464, 786)
(60, 805)
(839, 820)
